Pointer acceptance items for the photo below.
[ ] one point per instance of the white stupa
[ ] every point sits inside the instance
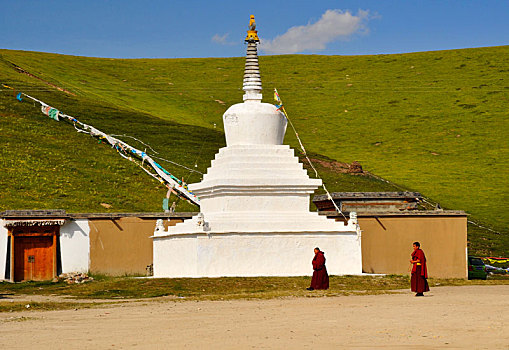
(254, 215)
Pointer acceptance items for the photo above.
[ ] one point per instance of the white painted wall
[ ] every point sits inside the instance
(257, 254)
(75, 246)
(3, 249)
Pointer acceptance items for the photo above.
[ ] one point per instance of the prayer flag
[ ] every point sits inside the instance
(277, 98)
(50, 112)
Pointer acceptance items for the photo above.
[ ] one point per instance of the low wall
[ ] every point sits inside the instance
(122, 246)
(387, 244)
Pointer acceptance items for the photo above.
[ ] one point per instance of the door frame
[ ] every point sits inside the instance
(24, 231)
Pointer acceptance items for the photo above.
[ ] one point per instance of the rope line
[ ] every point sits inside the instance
(425, 199)
(161, 173)
(432, 203)
(123, 149)
(372, 90)
(134, 138)
(177, 164)
(303, 149)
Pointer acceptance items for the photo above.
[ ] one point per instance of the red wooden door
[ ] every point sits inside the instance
(33, 258)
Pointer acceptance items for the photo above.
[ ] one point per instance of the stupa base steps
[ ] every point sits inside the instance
(254, 254)
(251, 222)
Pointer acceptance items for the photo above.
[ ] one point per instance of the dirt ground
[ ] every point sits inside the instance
(474, 317)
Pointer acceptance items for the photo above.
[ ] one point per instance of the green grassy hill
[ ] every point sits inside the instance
(433, 122)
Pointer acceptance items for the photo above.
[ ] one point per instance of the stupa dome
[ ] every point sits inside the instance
(254, 124)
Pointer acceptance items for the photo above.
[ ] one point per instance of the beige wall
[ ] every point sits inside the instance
(122, 246)
(387, 244)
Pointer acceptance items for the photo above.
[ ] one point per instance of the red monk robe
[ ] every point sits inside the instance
(320, 278)
(418, 282)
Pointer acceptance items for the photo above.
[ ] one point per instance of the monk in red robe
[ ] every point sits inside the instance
(320, 278)
(419, 282)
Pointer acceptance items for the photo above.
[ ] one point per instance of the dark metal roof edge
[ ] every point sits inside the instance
(401, 213)
(142, 215)
(34, 214)
(47, 214)
(371, 195)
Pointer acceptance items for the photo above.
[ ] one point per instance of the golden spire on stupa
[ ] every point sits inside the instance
(252, 80)
(252, 34)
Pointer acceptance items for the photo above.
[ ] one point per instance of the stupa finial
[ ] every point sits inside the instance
(252, 80)
(252, 34)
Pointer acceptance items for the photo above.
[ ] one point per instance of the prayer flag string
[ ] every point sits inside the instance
(179, 187)
(492, 260)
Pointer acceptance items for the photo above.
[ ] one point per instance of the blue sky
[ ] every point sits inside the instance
(168, 29)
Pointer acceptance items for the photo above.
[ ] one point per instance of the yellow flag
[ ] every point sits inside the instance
(276, 97)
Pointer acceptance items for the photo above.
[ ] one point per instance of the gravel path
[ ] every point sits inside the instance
(447, 317)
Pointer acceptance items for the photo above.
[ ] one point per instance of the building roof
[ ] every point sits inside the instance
(51, 213)
(400, 213)
(142, 215)
(368, 195)
(61, 214)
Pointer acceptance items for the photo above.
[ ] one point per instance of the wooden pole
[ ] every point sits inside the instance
(12, 255)
(56, 233)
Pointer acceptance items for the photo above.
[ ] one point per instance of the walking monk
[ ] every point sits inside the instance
(320, 278)
(419, 282)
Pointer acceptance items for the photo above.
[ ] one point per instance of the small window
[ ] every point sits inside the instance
(476, 261)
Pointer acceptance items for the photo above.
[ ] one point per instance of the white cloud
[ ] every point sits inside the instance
(332, 26)
(221, 39)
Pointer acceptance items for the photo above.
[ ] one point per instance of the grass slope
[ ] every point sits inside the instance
(433, 122)
(47, 164)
